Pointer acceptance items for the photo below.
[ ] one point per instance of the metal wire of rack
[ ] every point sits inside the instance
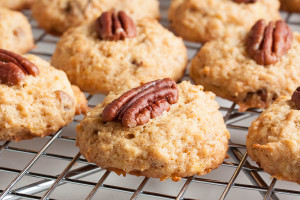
(75, 170)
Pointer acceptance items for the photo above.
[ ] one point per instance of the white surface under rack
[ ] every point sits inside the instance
(52, 167)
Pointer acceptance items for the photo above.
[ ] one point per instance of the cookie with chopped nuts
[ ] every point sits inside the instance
(206, 20)
(56, 16)
(252, 70)
(274, 139)
(16, 4)
(36, 99)
(15, 31)
(113, 51)
(160, 130)
(290, 5)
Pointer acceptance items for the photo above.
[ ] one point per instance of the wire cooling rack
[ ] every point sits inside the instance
(52, 167)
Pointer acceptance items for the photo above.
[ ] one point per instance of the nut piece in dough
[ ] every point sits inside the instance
(296, 98)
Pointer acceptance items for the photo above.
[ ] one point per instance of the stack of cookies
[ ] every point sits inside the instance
(152, 124)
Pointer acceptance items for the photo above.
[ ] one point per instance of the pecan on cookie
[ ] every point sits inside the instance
(112, 26)
(14, 67)
(139, 105)
(267, 44)
(244, 1)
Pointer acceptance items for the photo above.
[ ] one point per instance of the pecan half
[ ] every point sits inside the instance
(296, 98)
(111, 26)
(14, 67)
(266, 44)
(244, 1)
(139, 105)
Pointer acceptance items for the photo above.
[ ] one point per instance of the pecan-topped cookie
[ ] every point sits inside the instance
(177, 131)
(35, 98)
(113, 51)
(252, 70)
(206, 20)
(274, 139)
(56, 16)
(15, 31)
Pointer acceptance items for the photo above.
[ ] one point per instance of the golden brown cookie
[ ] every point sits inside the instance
(290, 5)
(98, 65)
(81, 101)
(274, 140)
(16, 4)
(35, 99)
(56, 16)
(228, 69)
(205, 20)
(15, 32)
(191, 138)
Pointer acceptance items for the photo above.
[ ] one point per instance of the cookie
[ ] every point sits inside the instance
(233, 68)
(101, 65)
(273, 140)
(15, 34)
(36, 99)
(56, 16)
(290, 5)
(206, 20)
(16, 4)
(188, 138)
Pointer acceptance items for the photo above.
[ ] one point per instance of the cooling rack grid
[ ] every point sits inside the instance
(52, 167)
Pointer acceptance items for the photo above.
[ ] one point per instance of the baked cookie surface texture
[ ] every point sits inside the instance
(274, 140)
(16, 4)
(15, 34)
(189, 137)
(35, 98)
(99, 61)
(206, 20)
(56, 16)
(235, 69)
